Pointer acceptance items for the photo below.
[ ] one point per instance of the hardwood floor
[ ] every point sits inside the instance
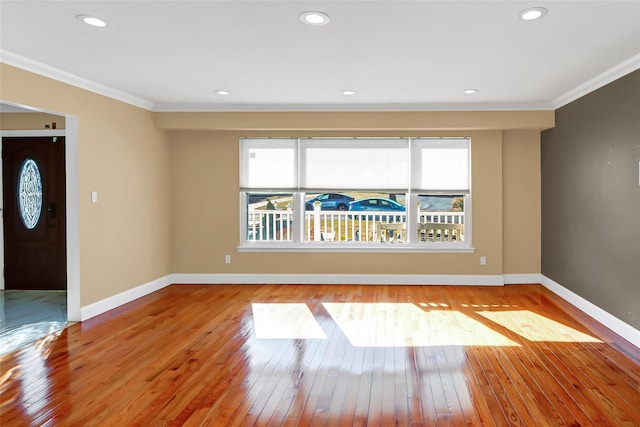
(328, 355)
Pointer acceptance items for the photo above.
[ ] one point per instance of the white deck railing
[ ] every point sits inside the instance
(277, 225)
(270, 225)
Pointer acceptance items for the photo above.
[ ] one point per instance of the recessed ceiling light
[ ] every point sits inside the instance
(471, 91)
(314, 18)
(223, 92)
(533, 13)
(94, 21)
(348, 92)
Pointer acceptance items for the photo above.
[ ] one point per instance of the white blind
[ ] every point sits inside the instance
(268, 163)
(355, 164)
(440, 164)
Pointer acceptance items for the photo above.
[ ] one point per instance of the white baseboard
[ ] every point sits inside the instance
(338, 279)
(92, 310)
(621, 328)
(518, 279)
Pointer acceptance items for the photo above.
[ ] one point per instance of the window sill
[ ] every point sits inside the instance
(356, 248)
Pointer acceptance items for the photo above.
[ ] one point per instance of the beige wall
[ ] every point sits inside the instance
(522, 198)
(349, 122)
(168, 187)
(124, 238)
(206, 211)
(21, 121)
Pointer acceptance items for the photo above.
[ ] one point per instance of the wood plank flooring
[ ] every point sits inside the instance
(328, 355)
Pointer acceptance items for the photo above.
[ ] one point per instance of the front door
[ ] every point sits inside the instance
(34, 213)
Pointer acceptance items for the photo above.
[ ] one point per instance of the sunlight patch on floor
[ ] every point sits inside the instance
(285, 321)
(405, 325)
(535, 327)
(15, 338)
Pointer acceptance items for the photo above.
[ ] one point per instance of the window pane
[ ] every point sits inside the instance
(368, 217)
(268, 163)
(29, 193)
(440, 164)
(441, 218)
(359, 164)
(269, 217)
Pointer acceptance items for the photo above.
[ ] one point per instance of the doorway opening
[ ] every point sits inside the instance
(34, 301)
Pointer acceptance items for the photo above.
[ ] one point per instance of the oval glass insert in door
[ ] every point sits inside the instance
(29, 193)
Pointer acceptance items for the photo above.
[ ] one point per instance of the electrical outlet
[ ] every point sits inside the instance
(227, 259)
(483, 260)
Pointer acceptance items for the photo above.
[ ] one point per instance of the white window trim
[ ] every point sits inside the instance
(410, 246)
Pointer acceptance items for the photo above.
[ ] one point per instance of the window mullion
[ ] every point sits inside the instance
(412, 217)
(410, 200)
(298, 217)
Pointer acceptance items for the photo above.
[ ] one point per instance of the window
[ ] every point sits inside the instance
(29, 193)
(341, 193)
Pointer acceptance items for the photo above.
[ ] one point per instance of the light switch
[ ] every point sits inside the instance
(94, 197)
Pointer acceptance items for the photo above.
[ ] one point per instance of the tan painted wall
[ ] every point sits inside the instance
(522, 202)
(349, 122)
(205, 211)
(125, 238)
(168, 187)
(31, 121)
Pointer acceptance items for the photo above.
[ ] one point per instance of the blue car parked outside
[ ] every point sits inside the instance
(330, 202)
(376, 204)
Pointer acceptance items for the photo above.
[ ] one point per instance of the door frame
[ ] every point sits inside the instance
(71, 133)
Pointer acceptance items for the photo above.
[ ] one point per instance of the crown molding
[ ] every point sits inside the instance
(361, 108)
(629, 66)
(45, 70)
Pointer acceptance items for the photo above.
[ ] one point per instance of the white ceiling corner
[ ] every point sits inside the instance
(419, 55)
(69, 78)
(618, 71)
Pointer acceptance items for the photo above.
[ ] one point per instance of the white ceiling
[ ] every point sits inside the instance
(397, 55)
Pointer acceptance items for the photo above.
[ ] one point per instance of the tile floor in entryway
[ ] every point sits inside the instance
(26, 316)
